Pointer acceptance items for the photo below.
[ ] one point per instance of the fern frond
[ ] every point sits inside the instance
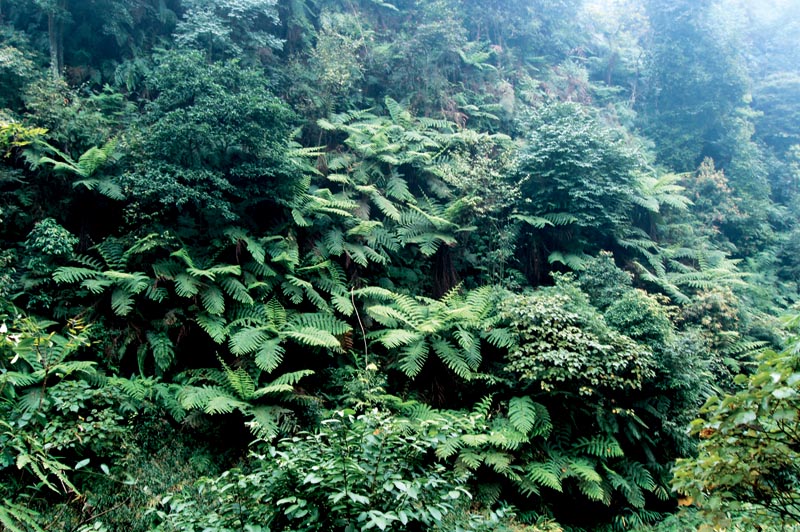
(73, 274)
(448, 448)
(571, 260)
(234, 288)
(248, 339)
(121, 302)
(18, 518)
(322, 321)
(560, 218)
(213, 300)
(269, 355)
(535, 221)
(313, 337)
(162, 348)
(452, 358)
(394, 338)
(224, 404)
(544, 474)
(186, 285)
(413, 357)
(600, 446)
(500, 337)
(290, 379)
(499, 461)
(214, 326)
(522, 413)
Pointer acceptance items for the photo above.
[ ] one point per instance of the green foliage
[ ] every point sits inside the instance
(640, 317)
(563, 342)
(213, 137)
(227, 28)
(357, 471)
(747, 454)
(603, 281)
(452, 157)
(237, 390)
(572, 164)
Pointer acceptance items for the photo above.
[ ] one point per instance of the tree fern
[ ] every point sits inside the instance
(213, 300)
(249, 339)
(572, 260)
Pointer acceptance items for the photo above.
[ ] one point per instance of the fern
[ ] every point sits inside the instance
(534, 221)
(213, 300)
(121, 302)
(214, 326)
(162, 348)
(571, 260)
(269, 355)
(248, 340)
(545, 474)
(453, 358)
(18, 518)
(72, 274)
(600, 446)
(522, 414)
(313, 337)
(413, 357)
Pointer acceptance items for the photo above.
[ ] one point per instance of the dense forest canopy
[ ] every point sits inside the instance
(456, 265)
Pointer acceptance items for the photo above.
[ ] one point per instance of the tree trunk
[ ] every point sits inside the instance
(55, 30)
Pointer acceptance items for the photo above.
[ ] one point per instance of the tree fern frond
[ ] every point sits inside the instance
(313, 337)
(269, 355)
(560, 218)
(413, 357)
(535, 221)
(448, 448)
(234, 288)
(499, 461)
(394, 338)
(544, 474)
(452, 358)
(162, 348)
(522, 414)
(571, 260)
(322, 321)
(483, 407)
(292, 378)
(121, 302)
(73, 274)
(214, 326)
(501, 337)
(186, 285)
(600, 446)
(213, 300)
(18, 518)
(248, 339)
(275, 312)
(197, 397)
(224, 404)
(240, 382)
